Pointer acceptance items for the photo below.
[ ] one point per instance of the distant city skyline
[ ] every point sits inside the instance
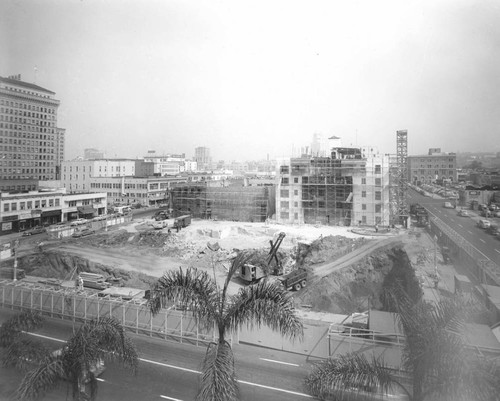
(248, 79)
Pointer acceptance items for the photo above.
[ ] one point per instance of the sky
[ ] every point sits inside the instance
(255, 79)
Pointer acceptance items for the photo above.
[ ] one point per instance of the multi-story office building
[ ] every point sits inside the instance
(203, 158)
(30, 141)
(343, 189)
(76, 175)
(167, 164)
(436, 165)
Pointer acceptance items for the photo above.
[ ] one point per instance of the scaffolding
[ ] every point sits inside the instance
(237, 203)
(343, 189)
(399, 180)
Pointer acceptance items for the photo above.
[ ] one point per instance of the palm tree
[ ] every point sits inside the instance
(436, 358)
(266, 303)
(96, 341)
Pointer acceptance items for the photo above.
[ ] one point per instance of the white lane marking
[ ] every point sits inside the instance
(169, 398)
(470, 232)
(452, 220)
(496, 250)
(170, 366)
(276, 389)
(284, 363)
(482, 240)
(461, 225)
(101, 380)
(47, 338)
(194, 371)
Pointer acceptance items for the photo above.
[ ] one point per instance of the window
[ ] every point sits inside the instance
(378, 168)
(296, 180)
(284, 181)
(285, 204)
(363, 206)
(284, 215)
(363, 194)
(378, 220)
(305, 180)
(57, 202)
(363, 219)
(378, 195)
(296, 216)
(285, 169)
(284, 193)
(72, 203)
(296, 204)
(13, 206)
(22, 205)
(37, 204)
(5, 207)
(378, 208)
(296, 192)
(29, 205)
(378, 182)
(363, 181)
(51, 202)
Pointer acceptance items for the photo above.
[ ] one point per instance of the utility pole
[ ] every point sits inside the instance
(16, 246)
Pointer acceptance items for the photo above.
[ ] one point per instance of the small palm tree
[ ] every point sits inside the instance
(436, 357)
(95, 341)
(266, 303)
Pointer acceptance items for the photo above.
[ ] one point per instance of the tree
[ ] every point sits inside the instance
(266, 303)
(436, 357)
(95, 341)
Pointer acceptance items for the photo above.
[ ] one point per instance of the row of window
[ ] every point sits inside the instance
(27, 106)
(28, 205)
(286, 216)
(31, 135)
(27, 128)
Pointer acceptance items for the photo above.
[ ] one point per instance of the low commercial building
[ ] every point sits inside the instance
(22, 211)
(147, 191)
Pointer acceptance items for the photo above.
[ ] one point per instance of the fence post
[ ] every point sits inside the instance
(85, 308)
(136, 320)
(181, 326)
(74, 307)
(31, 299)
(123, 314)
(166, 325)
(97, 308)
(150, 324)
(51, 304)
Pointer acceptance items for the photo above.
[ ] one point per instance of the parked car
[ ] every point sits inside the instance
(82, 233)
(483, 223)
(78, 222)
(493, 229)
(33, 231)
(463, 213)
(448, 205)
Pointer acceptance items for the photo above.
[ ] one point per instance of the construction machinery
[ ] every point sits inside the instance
(263, 266)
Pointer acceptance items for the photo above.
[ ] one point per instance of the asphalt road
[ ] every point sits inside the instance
(171, 371)
(465, 226)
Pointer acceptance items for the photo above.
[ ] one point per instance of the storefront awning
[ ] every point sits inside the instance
(51, 213)
(85, 209)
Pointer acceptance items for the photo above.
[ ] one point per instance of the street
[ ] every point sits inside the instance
(170, 370)
(465, 226)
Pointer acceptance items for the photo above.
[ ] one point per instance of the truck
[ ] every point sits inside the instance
(295, 280)
(121, 210)
(182, 221)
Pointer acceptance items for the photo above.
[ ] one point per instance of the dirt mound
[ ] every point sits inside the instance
(67, 267)
(326, 249)
(354, 289)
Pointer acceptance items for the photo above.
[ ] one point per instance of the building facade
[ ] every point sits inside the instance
(22, 211)
(343, 189)
(92, 154)
(30, 141)
(202, 158)
(77, 175)
(435, 166)
(135, 190)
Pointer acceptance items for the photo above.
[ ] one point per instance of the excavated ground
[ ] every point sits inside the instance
(139, 255)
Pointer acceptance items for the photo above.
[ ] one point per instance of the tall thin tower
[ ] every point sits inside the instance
(402, 175)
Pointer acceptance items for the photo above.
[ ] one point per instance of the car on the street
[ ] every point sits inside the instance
(483, 223)
(463, 213)
(34, 230)
(78, 222)
(83, 232)
(448, 205)
(97, 368)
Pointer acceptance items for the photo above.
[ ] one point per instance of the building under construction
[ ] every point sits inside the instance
(351, 187)
(224, 201)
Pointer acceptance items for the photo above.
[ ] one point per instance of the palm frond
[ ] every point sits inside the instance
(41, 379)
(265, 303)
(334, 376)
(24, 353)
(238, 261)
(194, 288)
(25, 321)
(218, 382)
